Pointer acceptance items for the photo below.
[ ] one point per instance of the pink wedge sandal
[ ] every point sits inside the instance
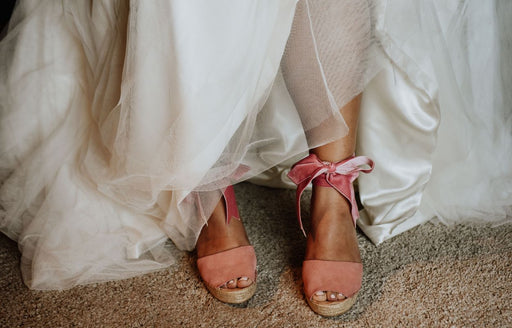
(320, 275)
(219, 268)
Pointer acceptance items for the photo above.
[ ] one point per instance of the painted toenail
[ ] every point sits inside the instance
(319, 293)
(333, 296)
(244, 279)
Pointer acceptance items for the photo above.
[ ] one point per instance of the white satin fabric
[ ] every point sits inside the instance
(443, 145)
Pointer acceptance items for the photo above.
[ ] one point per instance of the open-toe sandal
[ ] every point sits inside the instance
(320, 275)
(218, 269)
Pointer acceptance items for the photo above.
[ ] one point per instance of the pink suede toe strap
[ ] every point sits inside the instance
(217, 269)
(341, 277)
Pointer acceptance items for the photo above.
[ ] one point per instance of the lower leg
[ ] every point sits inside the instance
(346, 146)
(332, 235)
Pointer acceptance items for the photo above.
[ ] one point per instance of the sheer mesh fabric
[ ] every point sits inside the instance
(330, 57)
(121, 123)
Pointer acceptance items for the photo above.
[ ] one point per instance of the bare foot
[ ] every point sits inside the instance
(333, 235)
(217, 236)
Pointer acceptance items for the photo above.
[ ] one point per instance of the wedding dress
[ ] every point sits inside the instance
(120, 121)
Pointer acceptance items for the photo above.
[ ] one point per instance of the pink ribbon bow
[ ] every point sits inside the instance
(336, 175)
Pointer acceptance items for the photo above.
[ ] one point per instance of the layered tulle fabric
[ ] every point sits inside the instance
(121, 120)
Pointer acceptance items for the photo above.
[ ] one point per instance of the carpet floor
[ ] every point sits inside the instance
(431, 276)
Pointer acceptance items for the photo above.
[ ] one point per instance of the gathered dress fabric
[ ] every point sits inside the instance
(122, 121)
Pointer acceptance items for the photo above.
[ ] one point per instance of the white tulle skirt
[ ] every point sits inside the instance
(121, 120)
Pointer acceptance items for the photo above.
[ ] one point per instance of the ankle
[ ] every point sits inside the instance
(332, 234)
(218, 235)
(328, 200)
(334, 155)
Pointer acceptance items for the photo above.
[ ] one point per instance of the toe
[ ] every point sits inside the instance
(319, 296)
(341, 297)
(332, 296)
(231, 284)
(244, 282)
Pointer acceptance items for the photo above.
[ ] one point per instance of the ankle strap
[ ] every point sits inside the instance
(339, 176)
(230, 202)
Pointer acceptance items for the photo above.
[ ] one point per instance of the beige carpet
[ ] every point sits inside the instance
(432, 276)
